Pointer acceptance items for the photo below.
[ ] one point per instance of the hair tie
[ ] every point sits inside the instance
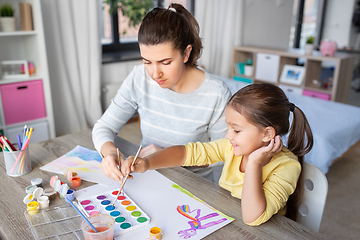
(292, 107)
(172, 9)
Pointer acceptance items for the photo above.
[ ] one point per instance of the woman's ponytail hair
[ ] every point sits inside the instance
(176, 25)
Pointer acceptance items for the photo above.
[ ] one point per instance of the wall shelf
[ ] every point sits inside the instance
(35, 93)
(315, 76)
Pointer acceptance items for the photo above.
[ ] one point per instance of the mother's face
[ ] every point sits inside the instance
(164, 64)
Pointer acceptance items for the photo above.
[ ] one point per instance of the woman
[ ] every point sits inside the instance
(177, 102)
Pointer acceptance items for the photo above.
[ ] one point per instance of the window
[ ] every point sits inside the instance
(308, 17)
(119, 39)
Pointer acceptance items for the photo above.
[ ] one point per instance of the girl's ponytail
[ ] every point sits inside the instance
(299, 129)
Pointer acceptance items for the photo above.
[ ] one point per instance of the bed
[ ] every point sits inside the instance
(335, 126)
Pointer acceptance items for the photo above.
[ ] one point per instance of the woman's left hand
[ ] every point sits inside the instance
(263, 155)
(149, 150)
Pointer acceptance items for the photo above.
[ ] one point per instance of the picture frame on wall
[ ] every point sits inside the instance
(292, 74)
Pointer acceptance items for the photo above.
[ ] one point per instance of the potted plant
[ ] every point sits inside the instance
(7, 19)
(309, 45)
(248, 69)
(135, 10)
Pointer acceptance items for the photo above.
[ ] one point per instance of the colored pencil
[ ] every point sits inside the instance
(127, 175)
(6, 144)
(10, 144)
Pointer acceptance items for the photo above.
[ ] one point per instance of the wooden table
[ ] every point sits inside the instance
(13, 224)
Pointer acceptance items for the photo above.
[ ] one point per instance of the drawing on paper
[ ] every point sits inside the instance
(196, 222)
(85, 162)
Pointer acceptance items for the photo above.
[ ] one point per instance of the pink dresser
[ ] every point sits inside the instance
(23, 101)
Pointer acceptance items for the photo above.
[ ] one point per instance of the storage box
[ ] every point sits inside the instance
(40, 132)
(23, 101)
(267, 67)
(291, 89)
(242, 79)
(314, 94)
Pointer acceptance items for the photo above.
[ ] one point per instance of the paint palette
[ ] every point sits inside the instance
(127, 215)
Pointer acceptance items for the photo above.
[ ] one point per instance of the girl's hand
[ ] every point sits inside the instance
(109, 166)
(140, 165)
(150, 149)
(263, 155)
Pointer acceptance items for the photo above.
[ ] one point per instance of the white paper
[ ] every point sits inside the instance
(159, 198)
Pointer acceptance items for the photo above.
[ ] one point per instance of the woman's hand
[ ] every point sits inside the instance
(263, 155)
(109, 166)
(150, 149)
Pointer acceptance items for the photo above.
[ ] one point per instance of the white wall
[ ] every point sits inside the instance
(117, 72)
(112, 75)
(267, 23)
(338, 22)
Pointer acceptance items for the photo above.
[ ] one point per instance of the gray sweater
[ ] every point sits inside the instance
(166, 117)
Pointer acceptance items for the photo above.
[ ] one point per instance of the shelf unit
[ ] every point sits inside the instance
(29, 46)
(341, 70)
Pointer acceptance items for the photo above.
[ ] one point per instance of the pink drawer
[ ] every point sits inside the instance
(23, 101)
(314, 94)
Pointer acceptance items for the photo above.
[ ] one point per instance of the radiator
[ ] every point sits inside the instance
(108, 92)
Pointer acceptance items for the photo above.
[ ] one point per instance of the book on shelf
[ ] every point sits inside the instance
(26, 16)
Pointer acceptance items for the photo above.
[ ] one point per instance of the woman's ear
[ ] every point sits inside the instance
(269, 133)
(187, 52)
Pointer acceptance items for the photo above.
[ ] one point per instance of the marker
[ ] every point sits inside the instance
(25, 128)
(30, 132)
(19, 141)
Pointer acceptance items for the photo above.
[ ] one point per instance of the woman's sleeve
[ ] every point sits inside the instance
(280, 184)
(205, 153)
(122, 107)
(217, 127)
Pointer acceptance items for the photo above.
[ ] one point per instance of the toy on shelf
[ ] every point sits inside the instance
(328, 48)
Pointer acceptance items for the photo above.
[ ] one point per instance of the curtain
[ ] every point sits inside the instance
(218, 19)
(72, 36)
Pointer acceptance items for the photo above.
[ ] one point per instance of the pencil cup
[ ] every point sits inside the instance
(17, 163)
(103, 223)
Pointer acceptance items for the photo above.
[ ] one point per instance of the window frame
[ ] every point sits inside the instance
(319, 23)
(117, 51)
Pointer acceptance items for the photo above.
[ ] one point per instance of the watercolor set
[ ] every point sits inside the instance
(126, 213)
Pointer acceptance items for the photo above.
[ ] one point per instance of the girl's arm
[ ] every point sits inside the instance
(253, 201)
(167, 157)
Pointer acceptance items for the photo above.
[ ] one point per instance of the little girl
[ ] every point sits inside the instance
(258, 169)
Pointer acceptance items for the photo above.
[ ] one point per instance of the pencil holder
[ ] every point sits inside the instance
(17, 163)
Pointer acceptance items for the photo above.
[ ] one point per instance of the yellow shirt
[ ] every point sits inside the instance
(279, 176)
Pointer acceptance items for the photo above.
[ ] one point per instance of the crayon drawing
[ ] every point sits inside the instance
(85, 162)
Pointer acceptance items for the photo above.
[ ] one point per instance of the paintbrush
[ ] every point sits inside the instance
(81, 214)
(127, 175)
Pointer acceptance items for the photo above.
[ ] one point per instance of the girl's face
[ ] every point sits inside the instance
(244, 136)
(164, 64)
